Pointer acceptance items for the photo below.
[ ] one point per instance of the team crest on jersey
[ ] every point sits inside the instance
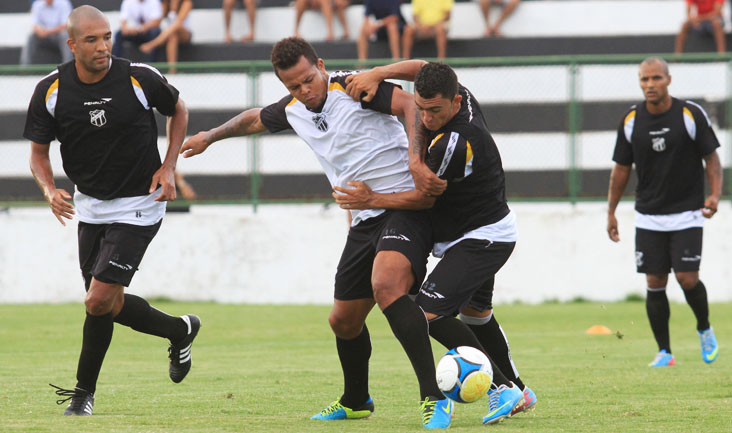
(98, 118)
(320, 122)
(658, 144)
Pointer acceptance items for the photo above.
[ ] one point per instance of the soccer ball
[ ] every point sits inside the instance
(464, 374)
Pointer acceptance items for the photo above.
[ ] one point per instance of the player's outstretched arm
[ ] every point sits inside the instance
(360, 196)
(247, 123)
(363, 86)
(618, 181)
(165, 175)
(40, 165)
(714, 176)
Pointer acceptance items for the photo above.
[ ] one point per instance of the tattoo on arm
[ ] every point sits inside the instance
(419, 144)
(236, 126)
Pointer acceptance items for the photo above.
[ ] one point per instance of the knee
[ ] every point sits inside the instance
(96, 305)
(345, 327)
(656, 281)
(687, 282)
(387, 290)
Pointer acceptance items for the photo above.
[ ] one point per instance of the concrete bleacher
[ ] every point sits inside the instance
(546, 27)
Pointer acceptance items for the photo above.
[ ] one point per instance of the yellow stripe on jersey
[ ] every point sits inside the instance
(436, 139)
(688, 113)
(469, 152)
(53, 88)
(292, 102)
(336, 86)
(135, 82)
(631, 116)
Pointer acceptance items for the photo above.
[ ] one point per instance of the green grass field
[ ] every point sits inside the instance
(269, 368)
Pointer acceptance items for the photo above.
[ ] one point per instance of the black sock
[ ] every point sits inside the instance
(354, 355)
(96, 338)
(658, 314)
(494, 341)
(696, 297)
(140, 316)
(451, 333)
(409, 325)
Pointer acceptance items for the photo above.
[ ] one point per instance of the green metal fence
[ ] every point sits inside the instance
(579, 181)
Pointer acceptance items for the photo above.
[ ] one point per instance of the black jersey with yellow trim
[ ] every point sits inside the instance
(667, 150)
(107, 129)
(463, 153)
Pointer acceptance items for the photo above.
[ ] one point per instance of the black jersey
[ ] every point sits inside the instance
(464, 153)
(667, 150)
(107, 129)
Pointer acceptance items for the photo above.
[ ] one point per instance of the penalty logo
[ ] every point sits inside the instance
(98, 118)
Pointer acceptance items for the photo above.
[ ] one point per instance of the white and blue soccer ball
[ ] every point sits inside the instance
(464, 374)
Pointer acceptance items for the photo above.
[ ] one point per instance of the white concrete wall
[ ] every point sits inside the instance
(288, 255)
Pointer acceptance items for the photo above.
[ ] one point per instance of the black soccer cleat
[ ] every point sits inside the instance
(82, 401)
(180, 353)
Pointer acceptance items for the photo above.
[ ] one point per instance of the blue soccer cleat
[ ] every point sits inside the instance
(709, 348)
(529, 402)
(437, 413)
(501, 403)
(336, 411)
(663, 359)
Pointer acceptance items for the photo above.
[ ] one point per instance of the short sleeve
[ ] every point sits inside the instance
(158, 92)
(381, 101)
(274, 116)
(623, 153)
(450, 156)
(40, 126)
(706, 140)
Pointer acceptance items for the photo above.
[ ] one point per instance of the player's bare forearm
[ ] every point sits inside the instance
(714, 174)
(243, 124)
(40, 165)
(619, 177)
(358, 195)
(176, 129)
(418, 138)
(404, 70)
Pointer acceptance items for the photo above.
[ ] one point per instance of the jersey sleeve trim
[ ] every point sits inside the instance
(449, 151)
(628, 125)
(334, 85)
(436, 139)
(468, 159)
(706, 116)
(143, 65)
(139, 93)
(689, 123)
(51, 98)
(291, 102)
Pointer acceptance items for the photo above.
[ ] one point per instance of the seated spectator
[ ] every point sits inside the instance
(507, 8)
(431, 20)
(387, 24)
(326, 7)
(228, 7)
(177, 32)
(49, 30)
(704, 16)
(139, 23)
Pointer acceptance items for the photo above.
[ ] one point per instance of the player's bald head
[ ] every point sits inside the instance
(658, 60)
(81, 15)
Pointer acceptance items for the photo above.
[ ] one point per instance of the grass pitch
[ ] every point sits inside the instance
(269, 368)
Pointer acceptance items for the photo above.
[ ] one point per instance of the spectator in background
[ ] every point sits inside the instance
(49, 29)
(326, 7)
(139, 23)
(508, 6)
(388, 24)
(228, 7)
(431, 20)
(177, 32)
(704, 16)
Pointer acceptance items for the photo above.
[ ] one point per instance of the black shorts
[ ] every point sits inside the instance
(464, 277)
(408, 232)
(111, 253)
(658, 252)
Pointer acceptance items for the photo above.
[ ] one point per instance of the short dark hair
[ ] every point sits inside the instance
(287, 52)
(436, 78)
